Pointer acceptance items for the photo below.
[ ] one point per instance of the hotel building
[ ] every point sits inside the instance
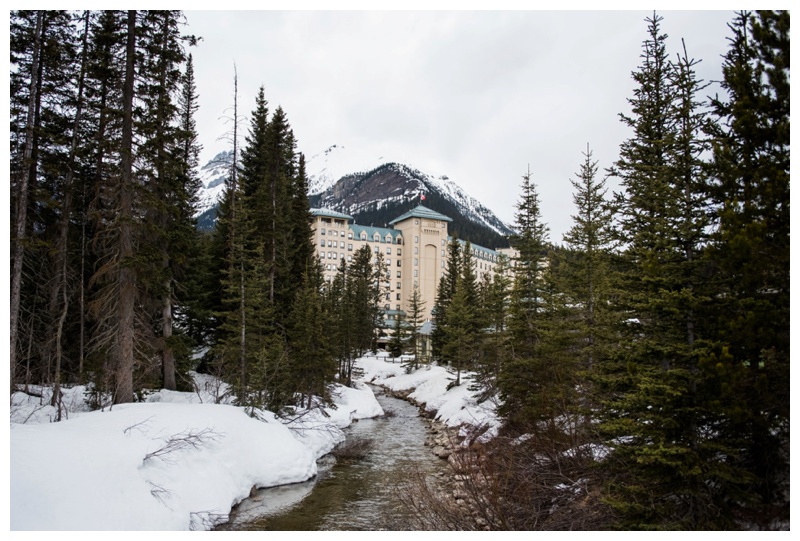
(414, 249)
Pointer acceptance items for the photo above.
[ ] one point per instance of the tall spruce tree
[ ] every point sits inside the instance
(444, 294)
(413, 320)
(671, 469)
(517, 382)
(587, 272)
(750, 247)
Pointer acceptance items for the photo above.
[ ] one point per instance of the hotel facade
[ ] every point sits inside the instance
(414, 250)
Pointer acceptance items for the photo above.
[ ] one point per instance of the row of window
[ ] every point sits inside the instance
(332, 232)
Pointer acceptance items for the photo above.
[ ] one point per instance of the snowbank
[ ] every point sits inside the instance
(180, 461)
(172, 463)
(428, 385)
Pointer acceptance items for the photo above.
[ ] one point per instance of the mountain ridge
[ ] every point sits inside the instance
(373, 195)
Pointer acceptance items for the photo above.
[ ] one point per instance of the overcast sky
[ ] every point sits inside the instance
(475, 95)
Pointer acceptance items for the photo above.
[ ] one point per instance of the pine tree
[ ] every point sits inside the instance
(517, 382)
(171, 229)
(444, 294)
(588, 273)
(45, 103)
(312, 359)
(494, 297)
(413, 321)
(750, 246)
(670, 470)
(399, 338)
(463, 325)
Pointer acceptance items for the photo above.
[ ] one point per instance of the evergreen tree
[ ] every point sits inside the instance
(399, 338)
(750, 247)
(588, 272)
(671, 469)
(413, 321)
(494, 297)
(463, 325)
(517, 382)
(444, 294)
(312, 359)
(460, 347)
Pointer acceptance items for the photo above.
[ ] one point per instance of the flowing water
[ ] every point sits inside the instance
(352, 494)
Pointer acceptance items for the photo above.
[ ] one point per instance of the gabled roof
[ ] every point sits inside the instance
(330, 213)
(370, 231)
(421, 212)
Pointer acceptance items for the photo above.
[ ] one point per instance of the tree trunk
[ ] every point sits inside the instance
(60, 282)
(167, 355)
(22, 203)
(127, 275)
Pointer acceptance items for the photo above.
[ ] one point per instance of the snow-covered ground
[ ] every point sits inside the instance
(179, 461)
(428, 385)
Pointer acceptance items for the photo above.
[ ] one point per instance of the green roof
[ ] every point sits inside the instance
(330, 213)
(370, 231)
(421, 212)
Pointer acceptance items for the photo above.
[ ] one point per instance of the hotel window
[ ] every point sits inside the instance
(398, 274)
(349, 258)
(322, 231)
(415, 275)
(416, 262)
(416, 239)
(322, 242)
(416, 250)
(388, 250)
(334, 255)
(386, 307)
(388, 296)
(376, 238)
(363, 236)
(350, 236)
(397, 307)
(388, 261)
(442, 242)
(398, 296)
(398, 285)
(442, 253)
(342, 235)
(398, 262)
(349, 247)
(377, 250)
(322, 255)
(389, 239)
(442, 264)
(330, 243)
(399, 252)
(330, 255)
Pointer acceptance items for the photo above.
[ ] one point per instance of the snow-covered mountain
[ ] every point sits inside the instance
(392, 188)
(212, 178)
(373, 191)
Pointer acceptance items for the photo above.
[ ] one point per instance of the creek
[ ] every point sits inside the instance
(353, 493)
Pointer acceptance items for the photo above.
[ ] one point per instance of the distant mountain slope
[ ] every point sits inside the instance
(374, 196)
(380, 195)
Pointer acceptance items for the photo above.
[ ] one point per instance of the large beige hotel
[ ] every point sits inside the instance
(414, 249)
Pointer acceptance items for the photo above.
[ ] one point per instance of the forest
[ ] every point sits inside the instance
(646, 356)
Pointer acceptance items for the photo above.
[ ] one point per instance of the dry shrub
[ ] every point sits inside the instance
(508, 484)
(353, 448)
